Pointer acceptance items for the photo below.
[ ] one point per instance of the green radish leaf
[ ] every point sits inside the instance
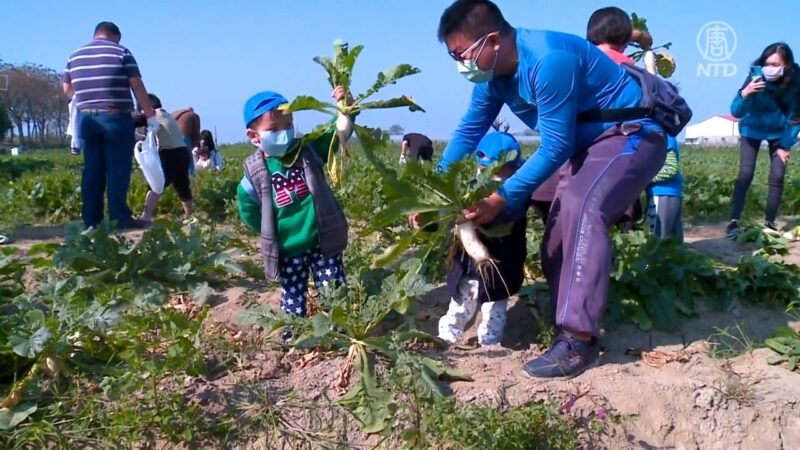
(36, 317)
(308, 103)
(388, 77)
(445, 373)
(398, 102)
(775, 359)
(777, 345)
(333, 73)
(338, 317)
(639, 23)
(431, 381)
(792, 362)
(10, 418)
(322, 325)
(371, 406)
(30, 346)
(393, 252)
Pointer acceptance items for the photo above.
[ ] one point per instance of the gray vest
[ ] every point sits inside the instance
(330, 217)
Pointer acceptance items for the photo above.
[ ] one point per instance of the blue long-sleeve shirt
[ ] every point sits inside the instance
(769, 114)
(558, 76)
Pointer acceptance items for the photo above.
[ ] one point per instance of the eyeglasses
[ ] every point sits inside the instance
(460, 57)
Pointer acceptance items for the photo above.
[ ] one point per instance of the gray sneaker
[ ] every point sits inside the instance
(567, 357)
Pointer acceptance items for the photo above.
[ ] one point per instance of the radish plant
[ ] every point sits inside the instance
(656, 59)
(439, 200)
(339, 69)
(369, 322)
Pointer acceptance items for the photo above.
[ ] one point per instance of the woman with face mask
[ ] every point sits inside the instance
(766, 105)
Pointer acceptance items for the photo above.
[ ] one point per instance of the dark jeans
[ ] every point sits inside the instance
(107, 161)
(747, 167)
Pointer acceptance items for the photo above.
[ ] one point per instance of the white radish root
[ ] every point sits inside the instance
(650, 61)
(468, 235)
(344, 130)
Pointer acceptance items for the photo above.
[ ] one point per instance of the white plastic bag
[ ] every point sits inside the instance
(146, 155)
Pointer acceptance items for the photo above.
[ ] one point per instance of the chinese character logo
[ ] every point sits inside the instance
(716, 41)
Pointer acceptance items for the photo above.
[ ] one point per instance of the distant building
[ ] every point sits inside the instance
(716, 130)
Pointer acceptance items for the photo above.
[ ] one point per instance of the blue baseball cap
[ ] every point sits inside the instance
(494, 145)
(261, 103)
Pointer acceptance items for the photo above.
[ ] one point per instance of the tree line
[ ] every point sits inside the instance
(33, 108)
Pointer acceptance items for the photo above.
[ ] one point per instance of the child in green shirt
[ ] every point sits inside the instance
(303, 227)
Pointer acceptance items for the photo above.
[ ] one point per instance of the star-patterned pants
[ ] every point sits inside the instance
(327, 272)
(462, 309)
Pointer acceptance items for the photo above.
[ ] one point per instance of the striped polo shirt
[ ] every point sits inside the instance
(99, 73)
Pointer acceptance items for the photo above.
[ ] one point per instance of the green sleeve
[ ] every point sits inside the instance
(669, 170)
(249, 210)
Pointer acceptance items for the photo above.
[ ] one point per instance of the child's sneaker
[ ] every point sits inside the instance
(493, 322)
(733, 230)
(567, 357)
(286, 336)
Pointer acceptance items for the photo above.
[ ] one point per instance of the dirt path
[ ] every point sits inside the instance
(699, 403)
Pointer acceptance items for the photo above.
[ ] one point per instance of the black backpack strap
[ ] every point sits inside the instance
(614, 115)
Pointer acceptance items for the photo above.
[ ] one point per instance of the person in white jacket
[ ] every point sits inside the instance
(207, 156)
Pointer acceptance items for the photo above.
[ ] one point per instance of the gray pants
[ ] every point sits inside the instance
(747, 167)
(665, 216)
(594, 190)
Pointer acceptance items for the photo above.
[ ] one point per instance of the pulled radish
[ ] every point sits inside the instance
(650, 61)
(468, 235)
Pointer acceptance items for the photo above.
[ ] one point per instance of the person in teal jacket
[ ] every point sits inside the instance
(767, 106)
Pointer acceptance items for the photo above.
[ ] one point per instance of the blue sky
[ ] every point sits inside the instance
(213, 54)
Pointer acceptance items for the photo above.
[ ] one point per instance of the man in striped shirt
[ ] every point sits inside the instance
(101, 76)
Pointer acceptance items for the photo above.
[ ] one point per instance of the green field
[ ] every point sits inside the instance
(99, 337)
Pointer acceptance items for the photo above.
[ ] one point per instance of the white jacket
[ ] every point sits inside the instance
(214, 162)
(74, 126)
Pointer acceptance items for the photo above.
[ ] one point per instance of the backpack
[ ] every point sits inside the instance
(660, 102)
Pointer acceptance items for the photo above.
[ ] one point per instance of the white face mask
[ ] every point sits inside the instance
(276, 143)
(772, 73)
(470, 70)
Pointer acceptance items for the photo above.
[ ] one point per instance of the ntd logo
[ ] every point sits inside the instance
(716, 42)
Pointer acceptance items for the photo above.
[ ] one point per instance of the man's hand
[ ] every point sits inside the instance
(69, 91)
(486, 210)
(784, 155)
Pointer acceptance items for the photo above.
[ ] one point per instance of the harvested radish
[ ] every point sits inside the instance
(344, 130)
(340, 69)
(650, 61)
(468, 234)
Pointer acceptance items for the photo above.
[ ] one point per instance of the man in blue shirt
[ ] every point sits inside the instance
(547, 79)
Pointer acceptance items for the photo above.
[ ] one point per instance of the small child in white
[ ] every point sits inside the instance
(467, 287)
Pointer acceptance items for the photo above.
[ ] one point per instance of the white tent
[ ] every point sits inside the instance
(716, 130)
